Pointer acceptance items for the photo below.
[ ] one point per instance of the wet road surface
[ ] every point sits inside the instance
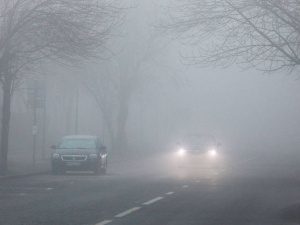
(154, 191)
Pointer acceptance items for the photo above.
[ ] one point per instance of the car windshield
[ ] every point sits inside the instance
(77, 143)
(198, 141)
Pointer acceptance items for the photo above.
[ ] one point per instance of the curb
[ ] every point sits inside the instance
(13, 176)
(43, 172)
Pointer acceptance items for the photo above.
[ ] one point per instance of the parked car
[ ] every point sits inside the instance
(197, 150)
(79, 152)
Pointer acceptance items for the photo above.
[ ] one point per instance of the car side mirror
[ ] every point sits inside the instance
(53, 147)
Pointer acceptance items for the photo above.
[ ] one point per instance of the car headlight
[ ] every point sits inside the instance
(212, 152)
(181, 152)
(55, 156)
(93, 156)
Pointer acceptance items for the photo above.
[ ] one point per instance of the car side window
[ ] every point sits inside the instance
(98, 143)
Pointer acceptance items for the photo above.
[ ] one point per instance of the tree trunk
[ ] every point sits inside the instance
(109, 126)
(5, 122)
(122, 145)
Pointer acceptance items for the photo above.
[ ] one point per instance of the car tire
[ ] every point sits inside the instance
(104, 169)
(54, 171)
(97, 169)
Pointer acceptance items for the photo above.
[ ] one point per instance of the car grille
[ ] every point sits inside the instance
(73, 157)
(195, 152)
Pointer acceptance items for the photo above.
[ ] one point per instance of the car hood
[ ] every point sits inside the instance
(199, 149)
(75, 151)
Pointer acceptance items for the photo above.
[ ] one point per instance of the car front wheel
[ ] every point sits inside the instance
(54, 171)
(103, 170)
(97, 169)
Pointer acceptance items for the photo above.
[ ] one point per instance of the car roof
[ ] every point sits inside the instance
(80, 137)
(212, 137)
(199, 135)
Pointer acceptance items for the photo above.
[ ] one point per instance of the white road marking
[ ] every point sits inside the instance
(169, 193)
(153, 200)
(49, 189)
(104, 222)
(128, 212)
(16, 194)
(197, 181)
(24, 188)
(185, 186)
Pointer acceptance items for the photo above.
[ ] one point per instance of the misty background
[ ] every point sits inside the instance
(246, 110)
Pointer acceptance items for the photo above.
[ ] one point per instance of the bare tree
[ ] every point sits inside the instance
(253, 33)
(113, 86)
(100, 86)
(32, 31)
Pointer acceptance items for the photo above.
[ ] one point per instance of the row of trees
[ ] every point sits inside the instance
(112, 82)
(253, 33)
(36, 31)
(113, 86)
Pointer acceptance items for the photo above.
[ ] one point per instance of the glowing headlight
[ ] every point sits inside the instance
(181, 151)
(212, 152)
(93, 156)
(55, 156)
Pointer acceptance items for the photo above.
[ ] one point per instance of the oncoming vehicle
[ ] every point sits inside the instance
(79, 152)
(197, 150)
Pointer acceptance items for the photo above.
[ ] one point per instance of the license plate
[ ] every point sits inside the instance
(73, 163)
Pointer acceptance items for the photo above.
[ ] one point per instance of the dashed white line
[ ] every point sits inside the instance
(15, 194)
(125, 213)
(49, 189)
(197, 181)
(185, 186)
(104, 222)
(128, 212)
(25, 188)
(153, 200)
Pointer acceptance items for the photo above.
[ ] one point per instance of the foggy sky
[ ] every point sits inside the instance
(245, 110)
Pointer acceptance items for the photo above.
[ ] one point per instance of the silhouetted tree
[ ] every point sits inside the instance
(34, 31)
(125, 71)
(254, 33)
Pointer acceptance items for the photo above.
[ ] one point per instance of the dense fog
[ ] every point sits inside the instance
(247, 111)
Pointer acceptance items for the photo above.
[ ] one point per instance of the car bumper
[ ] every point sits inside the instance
(202, 160)
(87, 165)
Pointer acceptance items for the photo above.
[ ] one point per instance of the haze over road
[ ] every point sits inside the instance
(154, 191)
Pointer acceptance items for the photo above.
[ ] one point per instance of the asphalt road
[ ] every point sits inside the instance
(153, 191)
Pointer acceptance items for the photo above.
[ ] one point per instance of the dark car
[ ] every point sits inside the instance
(197, 150)
(79, 152)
